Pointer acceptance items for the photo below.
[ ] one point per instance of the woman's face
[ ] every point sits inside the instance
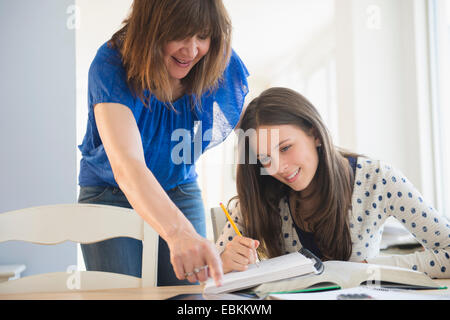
(288, 154)
(180, 56)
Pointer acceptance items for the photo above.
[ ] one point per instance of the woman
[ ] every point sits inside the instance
(170, 68)
(302, 191)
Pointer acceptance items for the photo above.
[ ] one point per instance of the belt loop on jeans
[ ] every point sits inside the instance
(115, 190)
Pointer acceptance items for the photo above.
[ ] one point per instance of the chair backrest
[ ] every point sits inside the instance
(83, 223)
(218, 220)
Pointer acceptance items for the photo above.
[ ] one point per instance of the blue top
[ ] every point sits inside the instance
(167, 136)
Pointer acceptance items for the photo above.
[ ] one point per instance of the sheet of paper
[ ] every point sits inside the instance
(375, 293)
(270, 266)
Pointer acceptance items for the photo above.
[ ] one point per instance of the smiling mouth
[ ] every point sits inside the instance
(293, 176)
(182, 63)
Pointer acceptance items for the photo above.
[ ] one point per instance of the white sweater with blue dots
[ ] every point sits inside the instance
(380, 191)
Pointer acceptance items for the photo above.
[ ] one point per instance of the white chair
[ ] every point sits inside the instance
(83, 223)
(218, 221)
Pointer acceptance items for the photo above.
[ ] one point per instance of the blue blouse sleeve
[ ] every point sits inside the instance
(107, 79)
(222, 109)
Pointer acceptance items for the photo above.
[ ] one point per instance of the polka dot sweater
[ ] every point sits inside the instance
(380, 191)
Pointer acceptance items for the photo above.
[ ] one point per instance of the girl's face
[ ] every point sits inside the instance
(288, 154)
(180, 56)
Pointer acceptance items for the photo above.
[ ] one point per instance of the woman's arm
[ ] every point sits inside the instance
(122, 142)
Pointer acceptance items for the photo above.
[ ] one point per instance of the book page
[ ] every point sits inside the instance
(270, 266)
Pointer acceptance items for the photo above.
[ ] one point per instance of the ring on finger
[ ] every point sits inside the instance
(197, 270)
(188, 274)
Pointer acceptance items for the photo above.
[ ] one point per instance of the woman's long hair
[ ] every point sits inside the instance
(259, 195)
(153, 23)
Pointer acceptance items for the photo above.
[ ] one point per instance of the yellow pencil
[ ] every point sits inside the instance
(235, 227)
(231, 220)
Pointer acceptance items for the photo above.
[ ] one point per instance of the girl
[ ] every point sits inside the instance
(302, 191)
(170, 68)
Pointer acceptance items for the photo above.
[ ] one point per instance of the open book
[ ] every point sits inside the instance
(343, 274)
(282, 267)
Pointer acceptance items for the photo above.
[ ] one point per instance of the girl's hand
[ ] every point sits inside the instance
(239, 253)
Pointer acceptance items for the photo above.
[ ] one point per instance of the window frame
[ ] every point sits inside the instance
(438, 49)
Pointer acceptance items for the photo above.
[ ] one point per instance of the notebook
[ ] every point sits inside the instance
(279, 268)
(361, 293)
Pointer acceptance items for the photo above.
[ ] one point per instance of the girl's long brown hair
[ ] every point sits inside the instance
(153, 23)
(259, 195)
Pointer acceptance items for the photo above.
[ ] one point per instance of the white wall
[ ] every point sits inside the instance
(382, 85)
(439, 21)
(37, 121)
(98, 21)
(273, 38)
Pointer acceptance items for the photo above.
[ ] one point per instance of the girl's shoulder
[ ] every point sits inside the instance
(370, 170)
(366, 164)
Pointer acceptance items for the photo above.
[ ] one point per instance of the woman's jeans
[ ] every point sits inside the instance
(124, 255)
